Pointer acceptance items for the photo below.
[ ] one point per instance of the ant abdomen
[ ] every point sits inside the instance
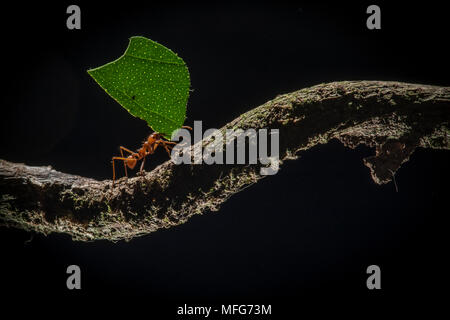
(131, 163)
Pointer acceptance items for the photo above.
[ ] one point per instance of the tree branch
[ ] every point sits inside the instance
(394, 118)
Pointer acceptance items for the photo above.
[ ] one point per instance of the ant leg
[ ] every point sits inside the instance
(114, 169)
(120, 158)
(187, 127)
(142, 165)
(127, 150)
(157, 144)
(124, 163)
(164, 143)
(114, 172)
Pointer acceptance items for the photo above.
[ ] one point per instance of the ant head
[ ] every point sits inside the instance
(154, 136)
(131, 161)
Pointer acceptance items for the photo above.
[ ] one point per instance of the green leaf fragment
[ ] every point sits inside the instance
(150, 81)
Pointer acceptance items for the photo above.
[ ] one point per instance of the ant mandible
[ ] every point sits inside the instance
(148, 147)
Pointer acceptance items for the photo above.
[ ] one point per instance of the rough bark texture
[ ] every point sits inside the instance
(394, 118)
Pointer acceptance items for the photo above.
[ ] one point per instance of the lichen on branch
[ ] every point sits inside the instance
(392, 117)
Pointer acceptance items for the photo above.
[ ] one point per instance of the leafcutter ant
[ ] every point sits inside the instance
(148, 147)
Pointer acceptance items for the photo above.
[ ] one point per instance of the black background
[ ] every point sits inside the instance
(300, 239)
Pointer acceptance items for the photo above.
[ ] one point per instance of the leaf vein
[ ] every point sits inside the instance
(154, 60)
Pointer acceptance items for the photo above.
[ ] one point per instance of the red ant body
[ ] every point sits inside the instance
(148, 147)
